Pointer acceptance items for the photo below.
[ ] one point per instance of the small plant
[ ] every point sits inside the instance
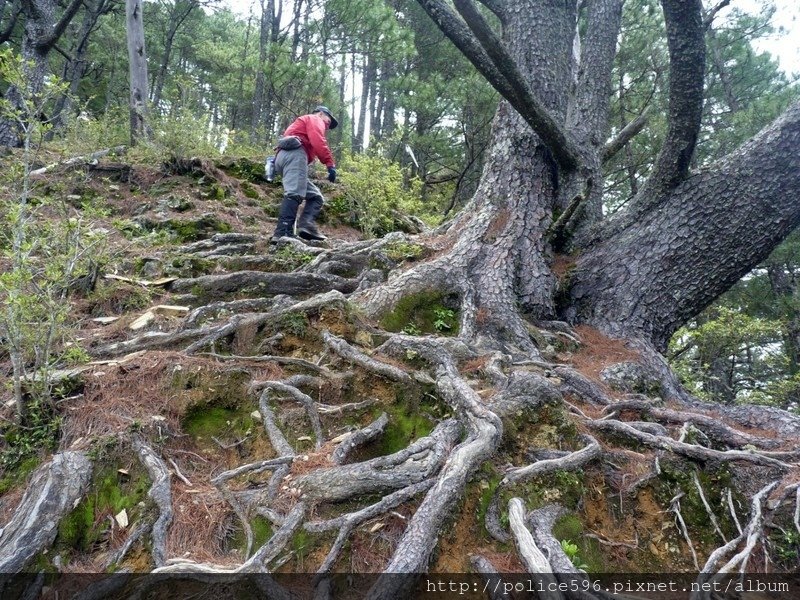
(24, 442)
(295, 323)
(444, 320)
(571, 550)
(377, 191)
(400, 251)
(47, 248)
(411, 329)
(292, 258)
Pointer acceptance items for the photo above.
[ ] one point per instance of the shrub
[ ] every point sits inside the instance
(376, 190)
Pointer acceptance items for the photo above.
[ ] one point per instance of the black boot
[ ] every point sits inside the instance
(286, 217)
(306, 228)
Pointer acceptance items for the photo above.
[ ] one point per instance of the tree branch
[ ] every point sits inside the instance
(590, 114)
(687, 51)
(498, 7)
(707, 234)
(48, 41)
(710, 15)
(630, 131)
(489, 56)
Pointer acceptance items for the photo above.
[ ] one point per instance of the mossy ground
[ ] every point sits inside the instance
(113, 489)
(428, 312)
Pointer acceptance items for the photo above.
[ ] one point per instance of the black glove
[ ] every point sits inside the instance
(332, 174)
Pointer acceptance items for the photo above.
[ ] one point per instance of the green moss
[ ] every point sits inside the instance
(193, 230)
(243, 168)
(409, 420)
(676, 477)
(489, 479)
(427, 312)
(203, 422)
(295, 323)
(262, 532)
(189, 266)
(288, 259)
(249, 191)
(110, 493)
(18, 475)
(568, 527)
(302, 545)
(400, 251)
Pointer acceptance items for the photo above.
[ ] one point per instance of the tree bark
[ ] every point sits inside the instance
(712, 229)
(137, 68)
(181, 9)
(42, 29)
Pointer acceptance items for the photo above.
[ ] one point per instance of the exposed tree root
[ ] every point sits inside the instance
(359, 438)
(348, 522)
(490, 371)
(160, 493)
(572, 461)
(483, 432)
(304, 399)
(712, 427)
(420, 460)
(53, 491)
(350, 353)
(271, 284)
(241, 512)
(691, 450)
(751, 535)
(534, 559)
(489, 574)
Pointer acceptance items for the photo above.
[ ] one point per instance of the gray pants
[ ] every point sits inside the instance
(292, 165)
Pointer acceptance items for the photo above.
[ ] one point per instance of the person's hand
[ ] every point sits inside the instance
(332, 174)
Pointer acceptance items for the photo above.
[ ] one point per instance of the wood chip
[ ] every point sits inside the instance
(170, 311)
(122, 518)
(105, 320)
(142, 321)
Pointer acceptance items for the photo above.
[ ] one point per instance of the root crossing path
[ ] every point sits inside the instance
(292, 423)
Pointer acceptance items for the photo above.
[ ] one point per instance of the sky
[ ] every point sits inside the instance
(785, 44)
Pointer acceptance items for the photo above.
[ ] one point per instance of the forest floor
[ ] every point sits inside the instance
(172, 235)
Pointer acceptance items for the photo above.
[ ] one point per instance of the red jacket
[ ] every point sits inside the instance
(311, 131)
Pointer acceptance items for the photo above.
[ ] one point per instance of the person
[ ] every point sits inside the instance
(301, 143)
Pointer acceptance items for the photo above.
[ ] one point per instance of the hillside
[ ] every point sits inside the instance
(232, 409)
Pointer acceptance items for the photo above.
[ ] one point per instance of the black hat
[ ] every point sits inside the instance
(325, 110)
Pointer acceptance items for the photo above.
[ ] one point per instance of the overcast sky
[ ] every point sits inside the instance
(785, 44)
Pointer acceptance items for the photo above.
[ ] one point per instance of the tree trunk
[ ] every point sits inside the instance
(649, 279)
(181, 10)
(41, 31)
(499, 262)
(137, 67)
(363, 107)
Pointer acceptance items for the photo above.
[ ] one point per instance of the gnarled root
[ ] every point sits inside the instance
(54, 490)
(160, 493)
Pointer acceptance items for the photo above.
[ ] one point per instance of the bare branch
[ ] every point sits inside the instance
(503, 75)
(710, 15)
(628, 132)
(687, 58)
(47, 42)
